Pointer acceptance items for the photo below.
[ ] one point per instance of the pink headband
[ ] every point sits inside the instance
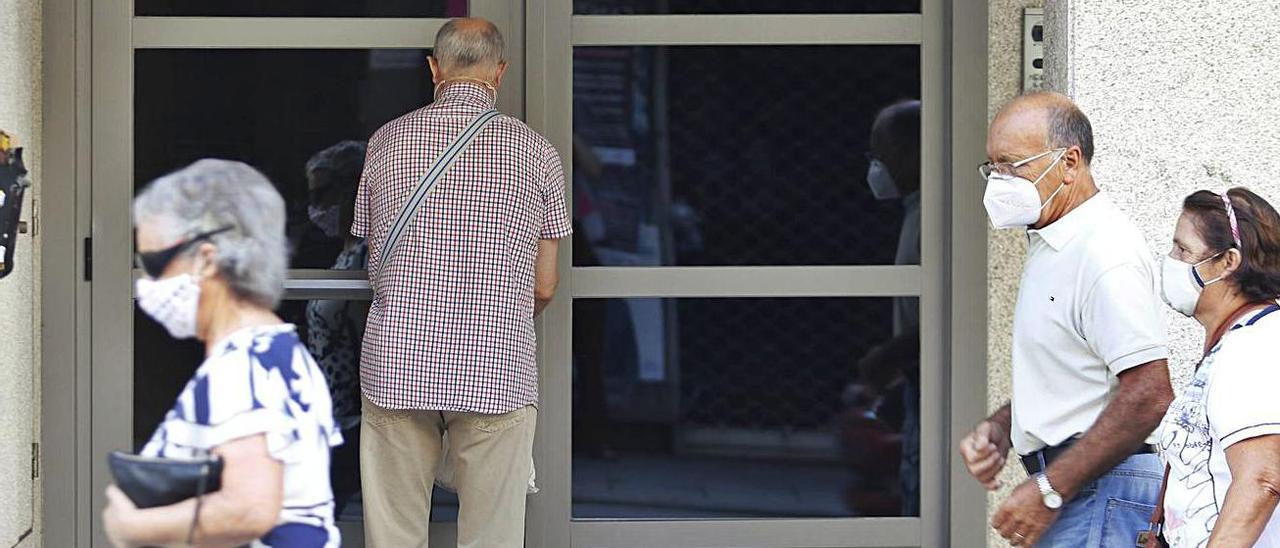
(1231, 214)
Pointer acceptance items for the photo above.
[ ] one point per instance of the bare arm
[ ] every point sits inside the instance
(1254, 492)
(546, 277)
(246, 508)
(1134, 412)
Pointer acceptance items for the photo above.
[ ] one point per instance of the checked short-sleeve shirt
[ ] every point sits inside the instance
(451, 324)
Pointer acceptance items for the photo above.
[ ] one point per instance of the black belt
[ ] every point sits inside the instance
(1032, 462)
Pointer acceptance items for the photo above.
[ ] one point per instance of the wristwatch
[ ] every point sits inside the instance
(1051, 498)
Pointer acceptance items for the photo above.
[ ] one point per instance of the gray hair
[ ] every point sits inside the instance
(211, 194)
(466, 43)
(1068, 127)
(338, 165)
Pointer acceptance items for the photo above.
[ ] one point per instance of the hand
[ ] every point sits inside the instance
(117, 516)
(984, 451)
(1023, 518)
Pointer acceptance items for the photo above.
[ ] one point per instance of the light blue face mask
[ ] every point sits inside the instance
(881, 182)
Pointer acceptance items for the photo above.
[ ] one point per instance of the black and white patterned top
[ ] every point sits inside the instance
(1231, 398)
(334, 331)
(262, 381)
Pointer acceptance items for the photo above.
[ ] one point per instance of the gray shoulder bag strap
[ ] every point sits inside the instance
(428, 182)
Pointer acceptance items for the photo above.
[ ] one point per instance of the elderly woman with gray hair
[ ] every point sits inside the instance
(211, 241)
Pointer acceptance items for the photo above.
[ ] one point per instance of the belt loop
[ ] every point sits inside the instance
(1040, 456)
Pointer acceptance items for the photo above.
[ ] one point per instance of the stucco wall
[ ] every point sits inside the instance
(1005, 249)
(19, 404)
(1183, 95)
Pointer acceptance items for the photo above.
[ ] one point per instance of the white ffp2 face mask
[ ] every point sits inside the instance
(1014, 202)
(1180, 284)
(172, 302)
(881, 182)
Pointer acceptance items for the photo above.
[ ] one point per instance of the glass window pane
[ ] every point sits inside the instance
(304, 8)
(747, 155)
(596, 7)
(332, 330)
(695, 408)
(300, 116)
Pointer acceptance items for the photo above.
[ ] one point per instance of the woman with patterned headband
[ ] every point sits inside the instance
(1221, 437)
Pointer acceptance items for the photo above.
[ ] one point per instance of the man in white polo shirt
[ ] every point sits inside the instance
(1090, 378)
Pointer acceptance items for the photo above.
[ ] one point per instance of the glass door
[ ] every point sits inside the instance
(752, 354)
(293, 88)
(753, 342)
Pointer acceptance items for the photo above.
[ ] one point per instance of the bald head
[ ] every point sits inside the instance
(1051, 120)
(1044, 139)
(895, 139)
(469, 47)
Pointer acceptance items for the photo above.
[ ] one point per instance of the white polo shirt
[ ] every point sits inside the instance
(1088, 309)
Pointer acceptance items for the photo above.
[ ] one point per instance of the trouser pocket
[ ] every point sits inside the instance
(1123, 521)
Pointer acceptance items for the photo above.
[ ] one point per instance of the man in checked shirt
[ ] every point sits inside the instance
(449, 344)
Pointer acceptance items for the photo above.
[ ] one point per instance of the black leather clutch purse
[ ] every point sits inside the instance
(150, 482)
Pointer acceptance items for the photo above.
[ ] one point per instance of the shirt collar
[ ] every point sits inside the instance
(1075, 222)
(466, 93)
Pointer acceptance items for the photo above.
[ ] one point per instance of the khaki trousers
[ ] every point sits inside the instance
(400, 451)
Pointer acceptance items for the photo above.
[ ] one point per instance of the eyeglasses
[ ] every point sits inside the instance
(154, 263)
(985, 169)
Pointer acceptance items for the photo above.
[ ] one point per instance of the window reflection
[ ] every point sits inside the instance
(304, 8)
(597, 7)
(299, 116)
(744, 155)
(745, 408)
(323, 238)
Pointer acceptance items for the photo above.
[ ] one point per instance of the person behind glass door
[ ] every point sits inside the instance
(335, 326)
(1090, 377)
(211, 241)
(317, 239)
(894, 174)
(449, 344)
(1221, 437)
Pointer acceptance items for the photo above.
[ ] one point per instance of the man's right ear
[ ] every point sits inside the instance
(1072, 162)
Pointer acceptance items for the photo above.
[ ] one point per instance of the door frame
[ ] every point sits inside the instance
(82, 146)
(952, 36)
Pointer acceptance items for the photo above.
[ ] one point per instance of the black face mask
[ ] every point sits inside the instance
(154, 263)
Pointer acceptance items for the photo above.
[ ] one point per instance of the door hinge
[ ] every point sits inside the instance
(35, 461)
(88, 259)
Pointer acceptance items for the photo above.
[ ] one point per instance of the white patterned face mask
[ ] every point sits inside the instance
(172, 302)
(1181, 284)
(326, 218)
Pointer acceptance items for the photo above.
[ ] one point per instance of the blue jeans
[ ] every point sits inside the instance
(1111, 511)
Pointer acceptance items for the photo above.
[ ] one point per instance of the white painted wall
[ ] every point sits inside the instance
(1183, 95)
(20, 56)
